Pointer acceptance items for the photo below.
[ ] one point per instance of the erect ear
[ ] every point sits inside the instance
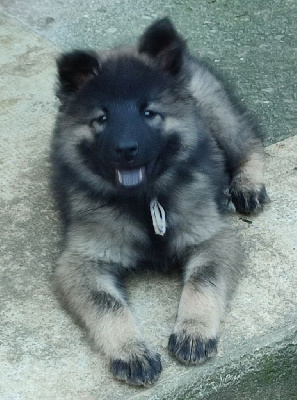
(75, 69)
(162, 42)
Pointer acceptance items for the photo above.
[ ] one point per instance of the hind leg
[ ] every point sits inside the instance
(236, 136)
(247, 190)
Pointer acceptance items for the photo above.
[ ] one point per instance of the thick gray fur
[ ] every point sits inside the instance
(105, 237)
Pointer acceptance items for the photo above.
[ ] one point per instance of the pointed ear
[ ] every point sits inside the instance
(74, 70)
(162, 42)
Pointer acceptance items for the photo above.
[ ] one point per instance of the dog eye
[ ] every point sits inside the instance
(149, 114)
(99, 121)
(102, 119)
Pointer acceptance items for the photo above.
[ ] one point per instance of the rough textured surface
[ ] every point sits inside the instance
(43, 354)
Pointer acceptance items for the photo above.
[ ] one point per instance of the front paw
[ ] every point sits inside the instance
(248, 199)
(140, 369)
(190, 349)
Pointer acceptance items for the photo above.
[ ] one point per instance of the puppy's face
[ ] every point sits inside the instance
(125, 113)
(124, 118)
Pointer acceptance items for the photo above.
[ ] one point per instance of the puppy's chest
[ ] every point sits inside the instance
(157, 251)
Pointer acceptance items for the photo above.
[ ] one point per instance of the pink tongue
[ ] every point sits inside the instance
(130, 177)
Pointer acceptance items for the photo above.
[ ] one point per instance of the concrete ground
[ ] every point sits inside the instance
(43, 354)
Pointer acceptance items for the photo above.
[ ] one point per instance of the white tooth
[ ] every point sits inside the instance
(130, 177)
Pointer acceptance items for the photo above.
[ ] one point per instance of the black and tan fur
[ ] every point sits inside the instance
(155, 109)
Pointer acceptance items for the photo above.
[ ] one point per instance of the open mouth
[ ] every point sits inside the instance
(130, 177)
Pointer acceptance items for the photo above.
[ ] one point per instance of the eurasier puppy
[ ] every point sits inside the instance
(147, 153)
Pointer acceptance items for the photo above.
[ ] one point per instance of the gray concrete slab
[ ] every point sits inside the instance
(43, 355)
(252, 43)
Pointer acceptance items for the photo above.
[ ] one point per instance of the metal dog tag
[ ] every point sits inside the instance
(158, 217)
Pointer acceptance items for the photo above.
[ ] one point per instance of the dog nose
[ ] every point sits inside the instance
(126, 151)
